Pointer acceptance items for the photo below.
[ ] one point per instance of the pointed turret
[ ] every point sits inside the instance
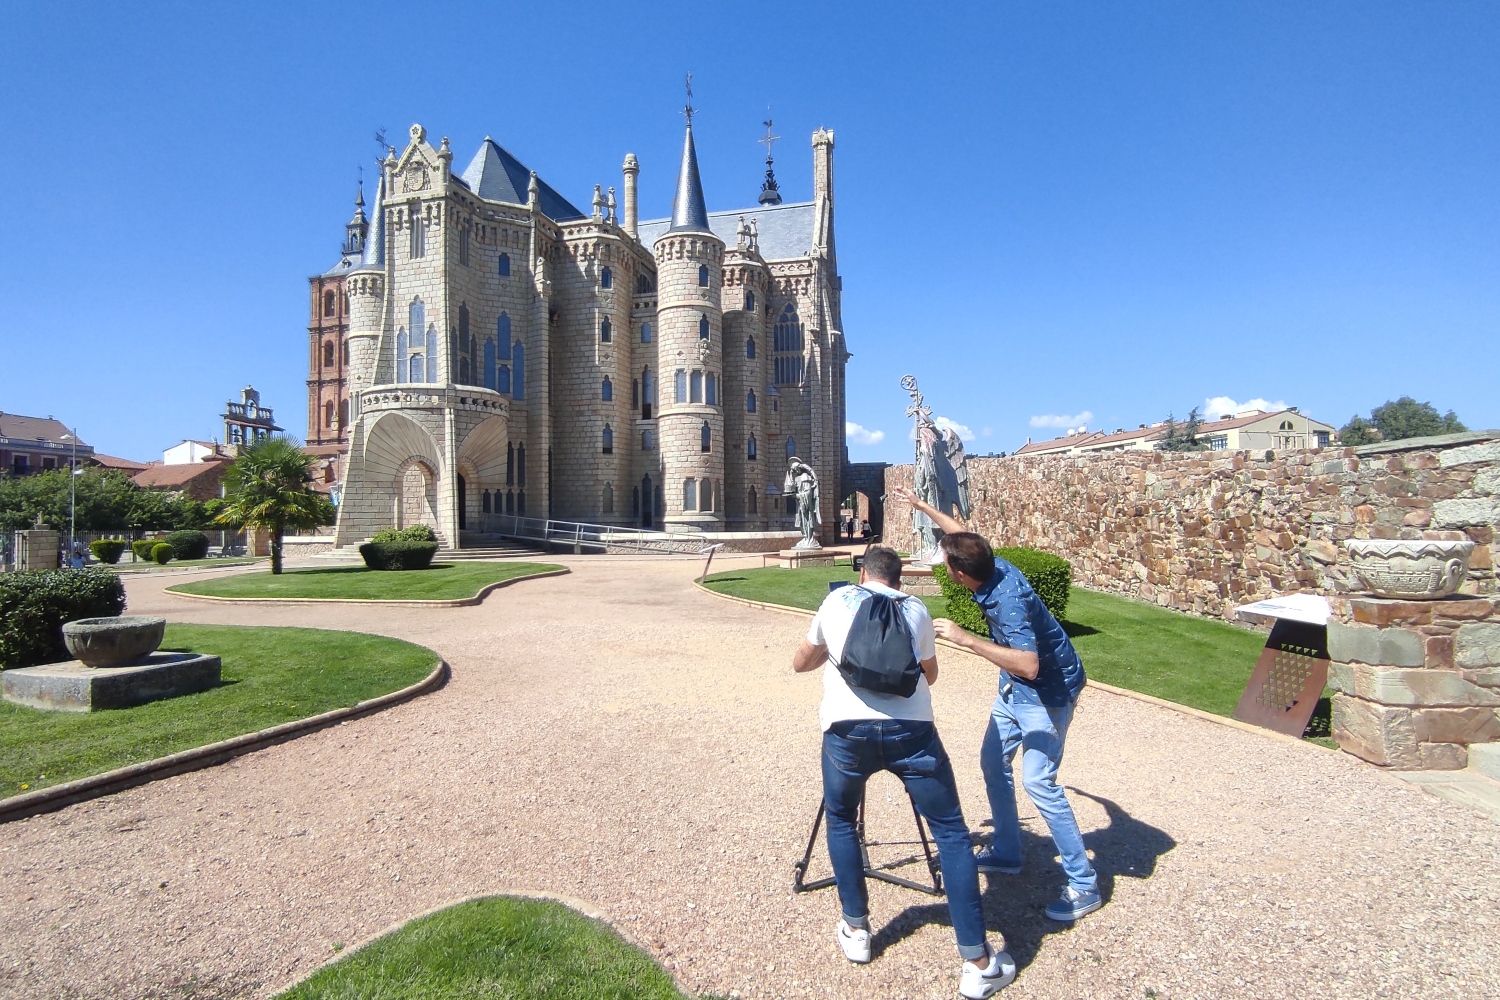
(374, 243)
(689, 212)
(358, 227)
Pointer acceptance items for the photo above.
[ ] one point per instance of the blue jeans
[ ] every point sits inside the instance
(1018, 722)
(912, 751)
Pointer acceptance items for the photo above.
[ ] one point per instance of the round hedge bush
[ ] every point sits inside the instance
(142, 547)
(161, 553)
(107, 550)
(187, 544)
(399, 554)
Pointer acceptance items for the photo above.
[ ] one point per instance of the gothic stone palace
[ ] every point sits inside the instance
(508, 353)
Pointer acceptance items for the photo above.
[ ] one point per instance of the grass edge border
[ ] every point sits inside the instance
(68, 793)
(1188, 710)
(457, 602)
(584, 907)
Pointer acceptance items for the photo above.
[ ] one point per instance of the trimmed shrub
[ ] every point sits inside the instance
(107, 550)
(398, 554)
(34, 606)
(187, 544)
(414, 533)
(142, 547)
(1049, 575)
(161, 553)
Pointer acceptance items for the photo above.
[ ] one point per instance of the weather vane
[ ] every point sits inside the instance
(768, 140)
(687, 109)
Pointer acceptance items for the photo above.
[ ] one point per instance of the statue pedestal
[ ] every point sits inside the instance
(73, 687)
(918, 580)
(796, 558)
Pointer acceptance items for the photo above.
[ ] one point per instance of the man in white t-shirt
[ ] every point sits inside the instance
(865, 732)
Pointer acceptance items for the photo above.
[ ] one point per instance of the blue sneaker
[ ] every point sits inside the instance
(1072, 904)
(988, 861)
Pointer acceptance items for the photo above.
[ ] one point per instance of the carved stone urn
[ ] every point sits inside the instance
(113, 642)
(1410, 569)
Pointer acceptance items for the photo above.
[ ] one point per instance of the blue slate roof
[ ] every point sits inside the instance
(496, 175)
(786, 231)
(689, 212)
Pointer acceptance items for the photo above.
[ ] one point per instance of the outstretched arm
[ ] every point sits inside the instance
(945, 521)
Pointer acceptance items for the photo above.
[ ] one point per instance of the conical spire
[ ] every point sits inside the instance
(375, 240)
(689, 213)
(358, 227)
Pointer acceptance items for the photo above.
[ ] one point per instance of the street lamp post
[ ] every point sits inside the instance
(72, 493)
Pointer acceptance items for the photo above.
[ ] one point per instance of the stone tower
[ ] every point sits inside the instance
(690, 352)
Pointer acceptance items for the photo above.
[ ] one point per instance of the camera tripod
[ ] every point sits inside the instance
(800, 884)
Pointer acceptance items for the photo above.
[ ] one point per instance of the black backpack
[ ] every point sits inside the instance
(877, 654)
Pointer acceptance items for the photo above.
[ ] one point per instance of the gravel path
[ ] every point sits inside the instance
(618, 737)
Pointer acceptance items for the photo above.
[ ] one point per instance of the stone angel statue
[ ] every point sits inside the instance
(940, 476)
(802, 481)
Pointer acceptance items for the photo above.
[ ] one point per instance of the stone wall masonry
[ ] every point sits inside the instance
(1204, 532)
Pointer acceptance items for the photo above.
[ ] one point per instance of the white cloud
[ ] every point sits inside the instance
(855, 434)
(963, 432)
(1215, 407)
(1067, 420)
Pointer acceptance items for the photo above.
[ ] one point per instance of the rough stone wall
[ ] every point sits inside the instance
(1204, 532)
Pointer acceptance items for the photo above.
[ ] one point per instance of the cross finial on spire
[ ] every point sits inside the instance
(687, 109)
(769, 140)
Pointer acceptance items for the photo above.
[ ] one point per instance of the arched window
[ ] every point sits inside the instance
(343, 413)
(521, 466)
(606, 278)
(465, 347)
(502, 334)
(750, 347)
(711, 390)
(752, 504)
(502, 378)
(485, 502)
(791, 446)
(705, 438)
(417, 237)
(1286, 425)
(607, 440)
(648, 393)
(606, 331)
(750, 448)
(680, 394)
(518, 385)
(489, 364)
(788, 346)
(702, 275)
(401, 352)
(328, 414)
(645, 333)
(750, 307)
(750, 401)
(642, 284)
(521, 503)
(702, 327)
(432, 354)
(607, 500)
(695, 387)
(504, 265)
(510, 502)
(328, 354)
(606, 390)
(510, 465)
(689, 494)
(330, 303)
(705, 494)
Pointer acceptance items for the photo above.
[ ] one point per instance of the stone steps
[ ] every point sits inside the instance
(1484, 760)
(487, 552)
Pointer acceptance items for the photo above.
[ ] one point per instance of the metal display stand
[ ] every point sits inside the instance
(1292, 670)
(934, 869)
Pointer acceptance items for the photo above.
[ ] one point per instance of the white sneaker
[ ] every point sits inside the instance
(975, 983)
(855, 942)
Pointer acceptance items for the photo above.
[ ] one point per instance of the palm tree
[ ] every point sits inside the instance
(267, 487)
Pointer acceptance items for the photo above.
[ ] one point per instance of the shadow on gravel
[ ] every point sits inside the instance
(1013, 904)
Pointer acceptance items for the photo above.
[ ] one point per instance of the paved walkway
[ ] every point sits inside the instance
(618, 737)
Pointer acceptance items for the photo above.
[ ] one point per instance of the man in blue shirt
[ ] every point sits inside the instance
(1041, 678)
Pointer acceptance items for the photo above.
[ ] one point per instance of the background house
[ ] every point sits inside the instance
(1252, 430)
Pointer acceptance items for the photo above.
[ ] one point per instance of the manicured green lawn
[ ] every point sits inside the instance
(270, 676)
(440, 582)
(1191, 661)
(142, 566)
(499, 947)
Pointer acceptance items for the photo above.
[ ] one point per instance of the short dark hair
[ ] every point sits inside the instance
(883, 564)
(969, 554)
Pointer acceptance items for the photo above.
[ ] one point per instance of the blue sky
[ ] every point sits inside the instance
(1052, 214)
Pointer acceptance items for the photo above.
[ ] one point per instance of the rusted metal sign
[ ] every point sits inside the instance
(1288, 679)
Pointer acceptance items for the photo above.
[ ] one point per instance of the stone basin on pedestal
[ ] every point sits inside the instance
(117, 667)
(1410, 569)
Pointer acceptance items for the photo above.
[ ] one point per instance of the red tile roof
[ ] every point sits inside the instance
(177, 476)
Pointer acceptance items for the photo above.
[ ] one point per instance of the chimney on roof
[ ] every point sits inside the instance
(1293, 409)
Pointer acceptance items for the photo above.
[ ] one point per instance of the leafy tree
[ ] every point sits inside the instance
(1358, 431)
(269, 487)
(1185, 437)
(1397, 419)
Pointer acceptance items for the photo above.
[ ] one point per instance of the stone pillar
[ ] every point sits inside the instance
(1416, 682)
(37, 549)
(631, 169)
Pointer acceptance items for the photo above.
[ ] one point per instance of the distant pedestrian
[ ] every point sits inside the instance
(77, 560)
(865, 530)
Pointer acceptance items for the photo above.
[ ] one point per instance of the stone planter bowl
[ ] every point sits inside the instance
(1410, 569)
(113, 642)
